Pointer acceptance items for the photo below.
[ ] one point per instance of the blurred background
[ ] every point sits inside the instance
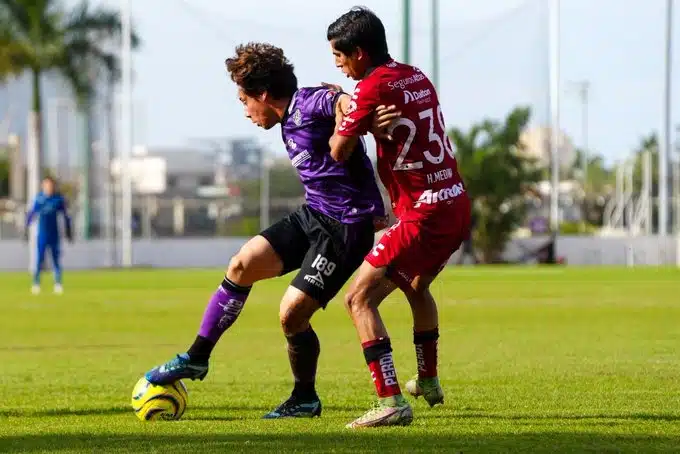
(596, 93)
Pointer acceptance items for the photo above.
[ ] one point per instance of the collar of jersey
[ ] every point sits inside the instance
(289, 107)
(373, 68)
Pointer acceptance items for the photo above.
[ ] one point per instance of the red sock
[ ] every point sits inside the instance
(378, 354)
(426, 352)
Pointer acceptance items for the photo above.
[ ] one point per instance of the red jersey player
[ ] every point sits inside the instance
(418, 168)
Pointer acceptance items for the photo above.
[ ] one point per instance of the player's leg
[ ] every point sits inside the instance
(439, 240)
(257, 260)
(390, 265)
(335, 254)
(368, 290)
(55, 249)
(272, 253)
(425, 338)
(295, 313)
(41, 249)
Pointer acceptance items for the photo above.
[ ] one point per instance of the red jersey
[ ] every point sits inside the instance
(417, 167)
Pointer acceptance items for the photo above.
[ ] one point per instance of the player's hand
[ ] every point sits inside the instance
(380, 223)
(384, 117)
(333, 87)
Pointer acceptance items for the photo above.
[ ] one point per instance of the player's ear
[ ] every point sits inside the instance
(263, 97)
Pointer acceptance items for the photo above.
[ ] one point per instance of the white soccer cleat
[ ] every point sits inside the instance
(395, 413)
(58, 289)
(35, 289)
(429, 389)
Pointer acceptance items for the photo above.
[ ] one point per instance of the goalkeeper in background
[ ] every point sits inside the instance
(48, 206)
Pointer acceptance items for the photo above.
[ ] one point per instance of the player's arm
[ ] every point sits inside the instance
(30, 216)
(342, 146)
(357, 120)
(31, 213)
(333, 103)
(382, 120)
(63, 209)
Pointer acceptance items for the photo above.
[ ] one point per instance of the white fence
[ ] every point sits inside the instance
(215, 252)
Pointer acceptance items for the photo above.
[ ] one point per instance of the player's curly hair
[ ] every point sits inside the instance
(260, 67)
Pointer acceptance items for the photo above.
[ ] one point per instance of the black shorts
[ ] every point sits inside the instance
(325, 251)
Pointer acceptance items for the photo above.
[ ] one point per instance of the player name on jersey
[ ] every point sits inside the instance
(441, 175)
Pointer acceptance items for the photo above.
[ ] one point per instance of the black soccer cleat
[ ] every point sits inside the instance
(296, 408)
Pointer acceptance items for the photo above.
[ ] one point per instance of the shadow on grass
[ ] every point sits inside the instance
(120, 409)
(667, 417)
(109, 411)
(72, 347)
(393, 440)
(9, 412)
(422, 413)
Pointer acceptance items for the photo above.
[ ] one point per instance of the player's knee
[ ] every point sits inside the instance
(421, 285)
(238, 266)
(293, 320)
(356, 301)
(289, 322)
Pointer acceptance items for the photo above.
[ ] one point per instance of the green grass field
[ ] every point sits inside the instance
(532, 360)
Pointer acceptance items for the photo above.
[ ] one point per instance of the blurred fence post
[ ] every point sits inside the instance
(33, 162)
(178, 216)
(17, 171)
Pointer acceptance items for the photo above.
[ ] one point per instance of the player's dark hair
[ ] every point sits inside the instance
(260, 67)
(360, 28)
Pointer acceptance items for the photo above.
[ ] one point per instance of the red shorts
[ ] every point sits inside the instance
(411, 248)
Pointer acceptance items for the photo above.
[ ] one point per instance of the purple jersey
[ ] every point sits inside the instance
(347, 192)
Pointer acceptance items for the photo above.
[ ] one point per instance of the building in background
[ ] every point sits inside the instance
(192, 191)
(536, 144)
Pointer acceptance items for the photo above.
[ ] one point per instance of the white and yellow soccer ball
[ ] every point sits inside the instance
(153, 402)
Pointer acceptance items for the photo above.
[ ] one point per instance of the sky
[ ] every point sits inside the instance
(493, 56)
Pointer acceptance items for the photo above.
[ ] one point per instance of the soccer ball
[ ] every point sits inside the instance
(152, 402)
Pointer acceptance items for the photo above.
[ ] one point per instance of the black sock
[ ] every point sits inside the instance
(303, 354)
(201, 349)
(229, 285)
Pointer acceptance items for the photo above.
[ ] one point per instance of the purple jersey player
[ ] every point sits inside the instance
(346, 193)
(326, 239)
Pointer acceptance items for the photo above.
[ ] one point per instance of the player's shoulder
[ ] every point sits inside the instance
(392, 75)
(403, 75)
(312, 95)
(311, 100)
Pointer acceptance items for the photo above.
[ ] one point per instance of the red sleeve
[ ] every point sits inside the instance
(364, 101)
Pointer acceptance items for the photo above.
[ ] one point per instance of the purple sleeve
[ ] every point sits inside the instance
(322, 103)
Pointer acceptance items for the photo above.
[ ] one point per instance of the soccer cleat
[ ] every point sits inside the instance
(429, 388)
(58, 289)
(35, 289)
(295, 408)
(391, 411)
(178, 368)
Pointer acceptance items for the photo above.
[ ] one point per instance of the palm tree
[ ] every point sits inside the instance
(43, 36)
(497, 176)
